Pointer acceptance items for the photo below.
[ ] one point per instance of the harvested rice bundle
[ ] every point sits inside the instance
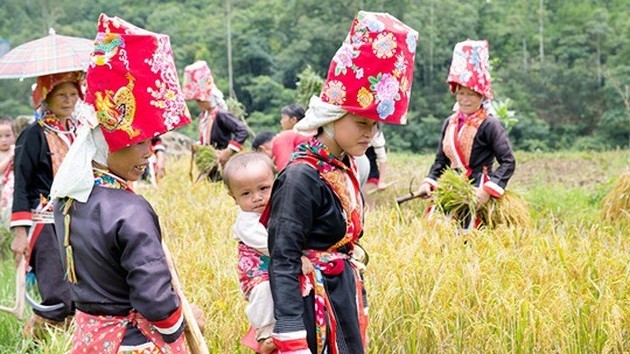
(510, 210)
(454, 195)
(205, 158)
(616, 204)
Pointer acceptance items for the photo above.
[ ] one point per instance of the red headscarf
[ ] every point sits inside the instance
(45, 85)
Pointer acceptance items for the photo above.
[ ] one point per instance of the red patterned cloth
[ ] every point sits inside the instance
(470, 67)
(133, 70)
(253, 268)
(104, 334)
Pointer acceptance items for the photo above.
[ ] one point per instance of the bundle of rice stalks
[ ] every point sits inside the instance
(616, 204)
(205, 158)
(454, 195)
(509, 210)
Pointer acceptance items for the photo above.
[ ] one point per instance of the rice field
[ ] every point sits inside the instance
(560, 285)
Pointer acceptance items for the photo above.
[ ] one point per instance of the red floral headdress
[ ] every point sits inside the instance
(371, 74)
(132, 83)
(470, 67)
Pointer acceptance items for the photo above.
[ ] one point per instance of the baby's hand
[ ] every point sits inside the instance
(307, 266)
(267, 346)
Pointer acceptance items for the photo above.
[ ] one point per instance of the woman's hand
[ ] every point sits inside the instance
(19, 245)
(424, 191)
(224, 155)
(482, 197)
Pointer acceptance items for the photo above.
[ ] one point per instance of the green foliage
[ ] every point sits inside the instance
(309, 84)
(505, 115)
(561, 93)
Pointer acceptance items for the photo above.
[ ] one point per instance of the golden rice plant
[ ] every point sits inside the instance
(455, 195)
(509, 210)
(616, 204)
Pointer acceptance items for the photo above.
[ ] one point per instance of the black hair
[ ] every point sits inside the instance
(262, 138)
(241, 161)
(294, 110)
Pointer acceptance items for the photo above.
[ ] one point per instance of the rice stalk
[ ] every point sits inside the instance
(205, 158)
(510, 210)
(616, 204)
(454, 195)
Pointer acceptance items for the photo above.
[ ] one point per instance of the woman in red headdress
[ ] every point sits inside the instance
(111, 237)
(472, 137)
(39, 150)
(316, 206)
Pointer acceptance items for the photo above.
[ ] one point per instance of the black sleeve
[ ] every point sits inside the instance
(238, 129)
(294, 200)
(441, 161)
(149, 278)
(502, 150)
(28, 153)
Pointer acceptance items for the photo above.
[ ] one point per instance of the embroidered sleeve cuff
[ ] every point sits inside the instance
(291, 342)
(21, 218)
(235, 146)
(171, 324)
(493, 189)
(431, 182)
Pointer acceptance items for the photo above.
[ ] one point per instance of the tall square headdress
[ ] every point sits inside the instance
(132, 83)
(371, 74)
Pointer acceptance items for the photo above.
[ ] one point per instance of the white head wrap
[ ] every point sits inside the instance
(75, 178)
(318, 114)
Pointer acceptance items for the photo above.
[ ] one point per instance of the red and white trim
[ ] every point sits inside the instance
(433, 183)
(493, 189)
(170, 324)
(21, 218)
(235, 146)
(291, 342)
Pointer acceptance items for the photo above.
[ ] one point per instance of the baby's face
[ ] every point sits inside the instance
(251, 186)
(7, 138)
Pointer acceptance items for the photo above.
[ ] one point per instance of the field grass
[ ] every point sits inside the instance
(560, 286)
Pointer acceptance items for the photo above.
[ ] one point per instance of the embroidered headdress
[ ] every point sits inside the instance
(132, 84)
(470, 67)
(199, 84)
(370, 75)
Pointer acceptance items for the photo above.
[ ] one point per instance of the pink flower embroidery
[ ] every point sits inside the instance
(387, 88)
(335, 91)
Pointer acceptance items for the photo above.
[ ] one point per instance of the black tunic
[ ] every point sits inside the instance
(306, 214)
(227, 128)
(118, 257)
(490, 142)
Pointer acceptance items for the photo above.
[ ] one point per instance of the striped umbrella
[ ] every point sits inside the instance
(48, 55)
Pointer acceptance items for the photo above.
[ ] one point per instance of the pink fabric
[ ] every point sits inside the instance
(253, 268)
(6, 196)
(283, 146)
(198, 81)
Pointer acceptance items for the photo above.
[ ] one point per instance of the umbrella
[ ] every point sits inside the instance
(48, 55)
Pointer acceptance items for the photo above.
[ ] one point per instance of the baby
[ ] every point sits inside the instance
(249, 177)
